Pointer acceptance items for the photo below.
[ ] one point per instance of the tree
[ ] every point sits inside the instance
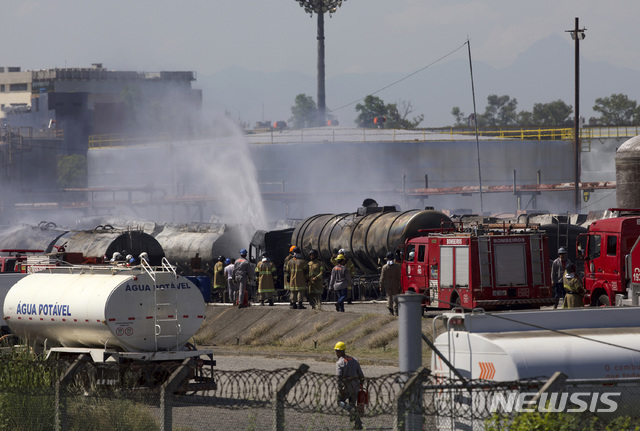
(72, 171)
(617, 110)
(397, 118)
(552, 114)
(500, 112)
(373, 107)
(461, 118)
(304, 112)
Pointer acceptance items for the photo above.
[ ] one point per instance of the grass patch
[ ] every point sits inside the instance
(205, 335)
(380, 341)
(336, 334)
(258, 334)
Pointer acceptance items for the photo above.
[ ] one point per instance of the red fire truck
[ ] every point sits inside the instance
(483, 268)
(610, 245)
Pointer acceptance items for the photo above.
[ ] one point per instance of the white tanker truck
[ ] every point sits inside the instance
(112, 314)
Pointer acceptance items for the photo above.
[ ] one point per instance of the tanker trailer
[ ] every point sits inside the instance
(366, 235)
(107, 312)
(104, 240)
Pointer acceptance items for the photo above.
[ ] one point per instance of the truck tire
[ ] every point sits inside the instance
(603, 301)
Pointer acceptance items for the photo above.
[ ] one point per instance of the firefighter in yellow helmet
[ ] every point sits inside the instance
(350, 379)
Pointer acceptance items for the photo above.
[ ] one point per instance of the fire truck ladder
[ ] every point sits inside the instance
(165, 315)
(484, 251)
(537, 253)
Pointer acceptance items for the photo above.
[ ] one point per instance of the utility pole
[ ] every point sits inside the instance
(577, 34)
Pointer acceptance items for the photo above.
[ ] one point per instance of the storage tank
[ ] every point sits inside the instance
(105, 240)
(103, 307)
(366, 235)
(628, 174)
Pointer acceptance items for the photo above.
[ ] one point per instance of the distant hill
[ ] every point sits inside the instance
(541, 74)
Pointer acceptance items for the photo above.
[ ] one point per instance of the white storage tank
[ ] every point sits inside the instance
(102, 307)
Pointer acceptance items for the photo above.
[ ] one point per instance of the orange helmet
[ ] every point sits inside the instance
(291, 249)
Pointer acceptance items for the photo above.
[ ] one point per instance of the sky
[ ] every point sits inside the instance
(207, 36)
(273, 35)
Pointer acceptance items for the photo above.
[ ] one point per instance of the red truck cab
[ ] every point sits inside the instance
(608, 243)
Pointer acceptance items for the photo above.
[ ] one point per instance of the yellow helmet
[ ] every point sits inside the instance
(340, 346)
(340, 257)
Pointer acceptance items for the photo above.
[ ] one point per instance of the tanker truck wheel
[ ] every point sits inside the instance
(602, 301)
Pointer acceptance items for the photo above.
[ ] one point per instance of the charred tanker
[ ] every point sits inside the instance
(366, 235)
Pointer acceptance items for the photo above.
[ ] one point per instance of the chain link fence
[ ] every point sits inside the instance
(45, 395)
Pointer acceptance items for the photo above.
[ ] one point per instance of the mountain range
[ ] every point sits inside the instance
(541, 74)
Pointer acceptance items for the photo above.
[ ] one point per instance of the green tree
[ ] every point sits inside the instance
(397, 117)
(500, 112)
(525, 119)
(552, 114)
(617, 110)
(72, 171)
(304, 112)
(460, 117)
(373, 107)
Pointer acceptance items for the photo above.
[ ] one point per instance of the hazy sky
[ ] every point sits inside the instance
(272, 35)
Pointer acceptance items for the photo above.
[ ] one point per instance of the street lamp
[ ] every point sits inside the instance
(577, 34)
(320, 7)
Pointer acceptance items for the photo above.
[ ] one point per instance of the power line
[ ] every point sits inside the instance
(402, 79)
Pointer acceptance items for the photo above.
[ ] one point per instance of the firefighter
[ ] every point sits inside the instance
(557, 272)
(573, 288)
(298, 270)
(241, 276)
(340, 281)
(352, 270)
(266, 276)
(390, 282)
(316, 288)
(286, 274)
(350, 380)
(219, 281)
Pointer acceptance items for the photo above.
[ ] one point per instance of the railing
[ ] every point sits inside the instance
(342, 134)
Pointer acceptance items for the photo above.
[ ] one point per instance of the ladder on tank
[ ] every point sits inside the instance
(166, 305)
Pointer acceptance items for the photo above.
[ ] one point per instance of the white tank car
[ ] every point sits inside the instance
(121, 309)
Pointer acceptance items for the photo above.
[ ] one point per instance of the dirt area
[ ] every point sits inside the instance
(278, 333)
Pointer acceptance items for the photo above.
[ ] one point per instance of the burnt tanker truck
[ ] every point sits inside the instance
(366, 236)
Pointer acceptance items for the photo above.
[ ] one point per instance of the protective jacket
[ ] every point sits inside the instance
(316, 270)
(219, 280)
(266, 276)
(298, 270)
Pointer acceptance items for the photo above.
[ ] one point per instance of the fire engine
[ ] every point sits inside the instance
(611, 259)
(481, 268)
